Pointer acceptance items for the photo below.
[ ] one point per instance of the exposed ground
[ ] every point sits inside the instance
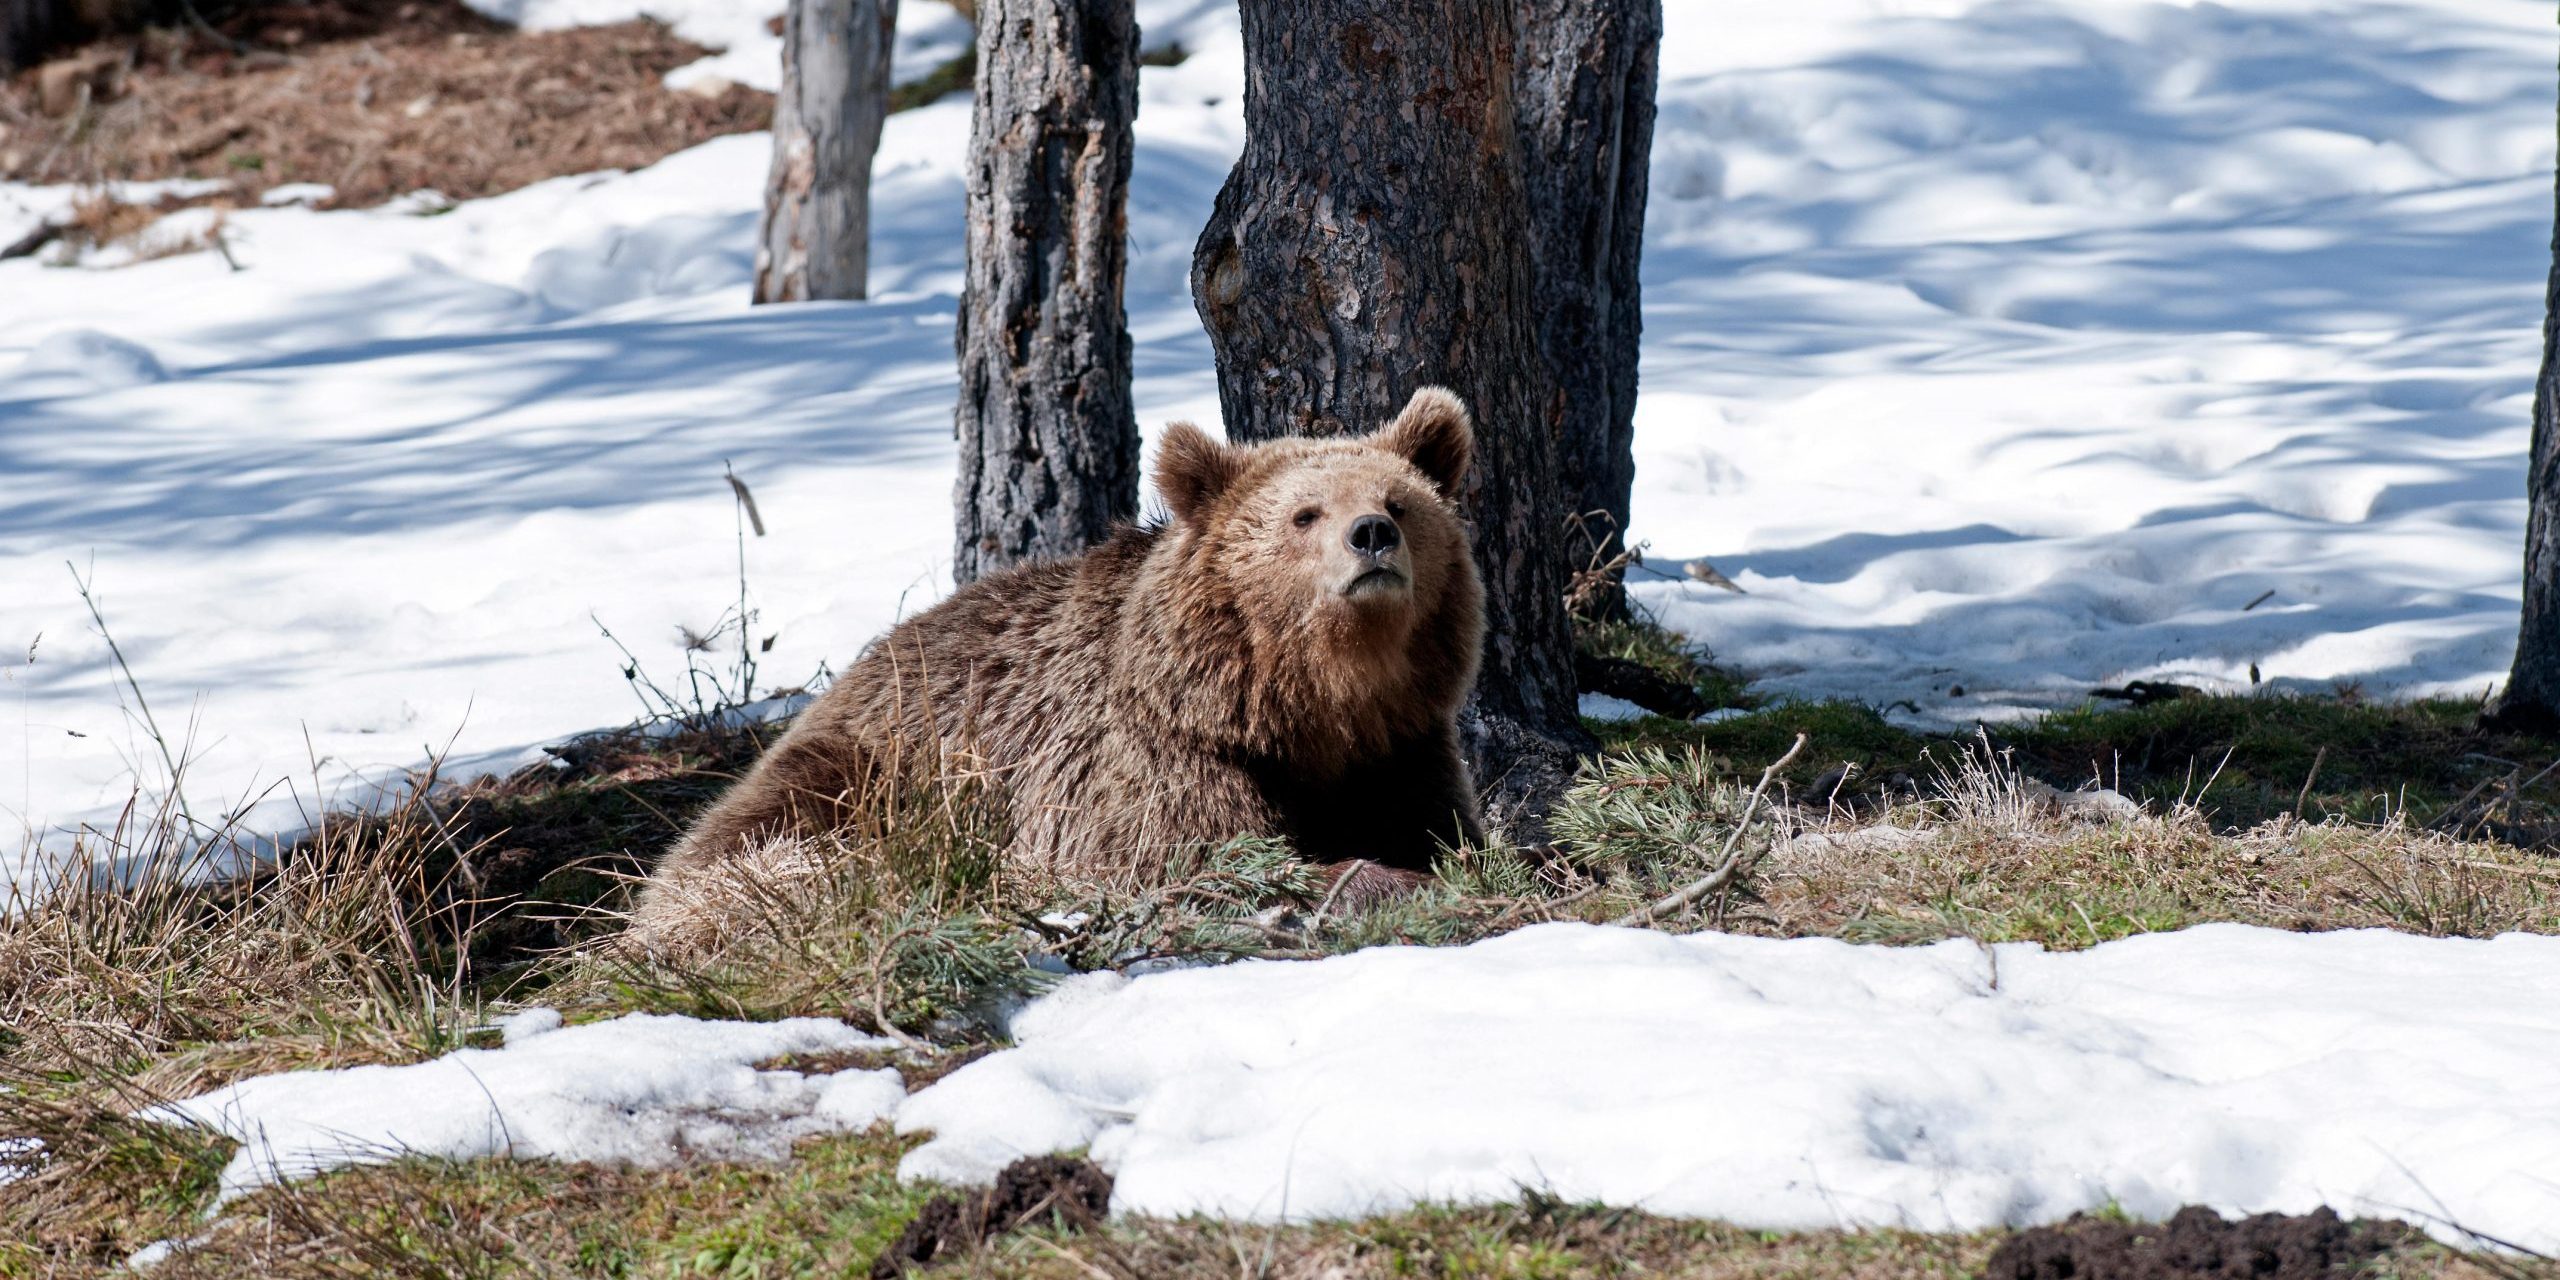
(371, 98)
(390, 938)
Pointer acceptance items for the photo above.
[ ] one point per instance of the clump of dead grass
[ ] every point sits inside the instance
(84, 1180)
(899, 919)
(910, 918)
(175, 962)
(375, 98)
(1995, 855)
(158, 951)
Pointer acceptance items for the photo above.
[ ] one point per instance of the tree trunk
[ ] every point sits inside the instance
(25, 28)
(816, 238)
(2532, 697)
(1374, 238)
(1048, 437)
(1584, 106)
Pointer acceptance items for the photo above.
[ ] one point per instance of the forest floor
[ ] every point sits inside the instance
(403, 936)
(349, 103)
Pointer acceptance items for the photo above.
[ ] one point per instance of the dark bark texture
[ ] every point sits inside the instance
(1048, 437)
(1375, 238)
(1583, 99)
(30, 29)
(816, 238)
(2532, 696)
(26, 28)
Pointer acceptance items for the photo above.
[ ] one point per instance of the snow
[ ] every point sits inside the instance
(2014, 346)
(1801, 1083)
(2018, 347)
(644, 1089)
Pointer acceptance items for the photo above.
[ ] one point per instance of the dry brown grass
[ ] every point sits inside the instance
(376, 98)
(345, 948)
(1995, 857)
(830, 1211)
(160, 978)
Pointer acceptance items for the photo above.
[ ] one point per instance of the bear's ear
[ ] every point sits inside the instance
(1192, 469)
(1433, 433)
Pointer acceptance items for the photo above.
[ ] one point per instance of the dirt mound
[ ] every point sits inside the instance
(374, 98)
(2197, 1242)
(1073, 1190)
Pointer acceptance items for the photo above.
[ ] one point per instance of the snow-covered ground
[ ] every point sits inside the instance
(1803, 1083)
(1774, 1084)
(2016, 346)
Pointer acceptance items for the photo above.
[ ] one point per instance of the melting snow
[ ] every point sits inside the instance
(644, 1089)
(1802, 1083)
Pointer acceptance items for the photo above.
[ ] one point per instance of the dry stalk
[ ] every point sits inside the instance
(1729, 862)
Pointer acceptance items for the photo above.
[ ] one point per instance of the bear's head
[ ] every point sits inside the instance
(1348, 543)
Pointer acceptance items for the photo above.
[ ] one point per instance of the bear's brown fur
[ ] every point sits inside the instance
(1285, 656)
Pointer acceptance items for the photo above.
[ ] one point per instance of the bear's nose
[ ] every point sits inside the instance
(1375, 536)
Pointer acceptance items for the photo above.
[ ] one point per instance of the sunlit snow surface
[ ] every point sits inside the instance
(1803, 1083)
(1773, 1084)
(643, 1089)
(2015, 347)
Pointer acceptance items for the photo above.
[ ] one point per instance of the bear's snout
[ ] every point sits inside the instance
(1374, 537)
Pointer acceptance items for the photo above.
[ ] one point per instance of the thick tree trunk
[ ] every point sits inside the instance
(1374, 238)
(1584, 105)
(25, 28)
(2532, 697)
(816, 239)
(1048, 437)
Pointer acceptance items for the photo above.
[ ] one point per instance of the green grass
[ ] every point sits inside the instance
(829, 1212)
(2240, 759)
(956, 75)
(2250, 758)
(1667, 653)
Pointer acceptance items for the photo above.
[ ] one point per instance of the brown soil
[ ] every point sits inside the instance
(1074, 1191)
(376, 98)
(2197, 1243)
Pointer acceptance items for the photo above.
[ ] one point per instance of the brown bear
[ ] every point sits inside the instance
(1285, 656)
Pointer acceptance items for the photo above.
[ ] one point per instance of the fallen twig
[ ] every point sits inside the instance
(1729, 862)
(45, 233)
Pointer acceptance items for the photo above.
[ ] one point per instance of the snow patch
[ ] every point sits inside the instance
(1802, 1083)
(642, 1089)
(72, 361)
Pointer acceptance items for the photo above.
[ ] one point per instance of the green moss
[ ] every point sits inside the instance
(954, 76)
(2248, 758)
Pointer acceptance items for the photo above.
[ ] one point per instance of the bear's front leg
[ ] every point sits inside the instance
(1399, 810)
(799, 787)
(1145, 812)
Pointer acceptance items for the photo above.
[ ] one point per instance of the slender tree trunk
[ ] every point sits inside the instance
(2532, 697)
(1048, 437)
(1374, 238)
(1584, 106)
(816, 239)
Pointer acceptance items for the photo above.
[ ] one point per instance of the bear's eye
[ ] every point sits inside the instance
(1304, 518)
(1395, 509)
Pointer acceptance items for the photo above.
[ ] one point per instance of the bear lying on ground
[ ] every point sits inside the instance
(1285, 656)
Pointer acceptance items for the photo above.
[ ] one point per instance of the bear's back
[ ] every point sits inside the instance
(1014, 663)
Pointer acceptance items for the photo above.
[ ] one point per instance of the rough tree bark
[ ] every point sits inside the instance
(1374, 238)
(1583, 102)
(816, 238)
(25, 28)
(2532, 697)
(1048, 437)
